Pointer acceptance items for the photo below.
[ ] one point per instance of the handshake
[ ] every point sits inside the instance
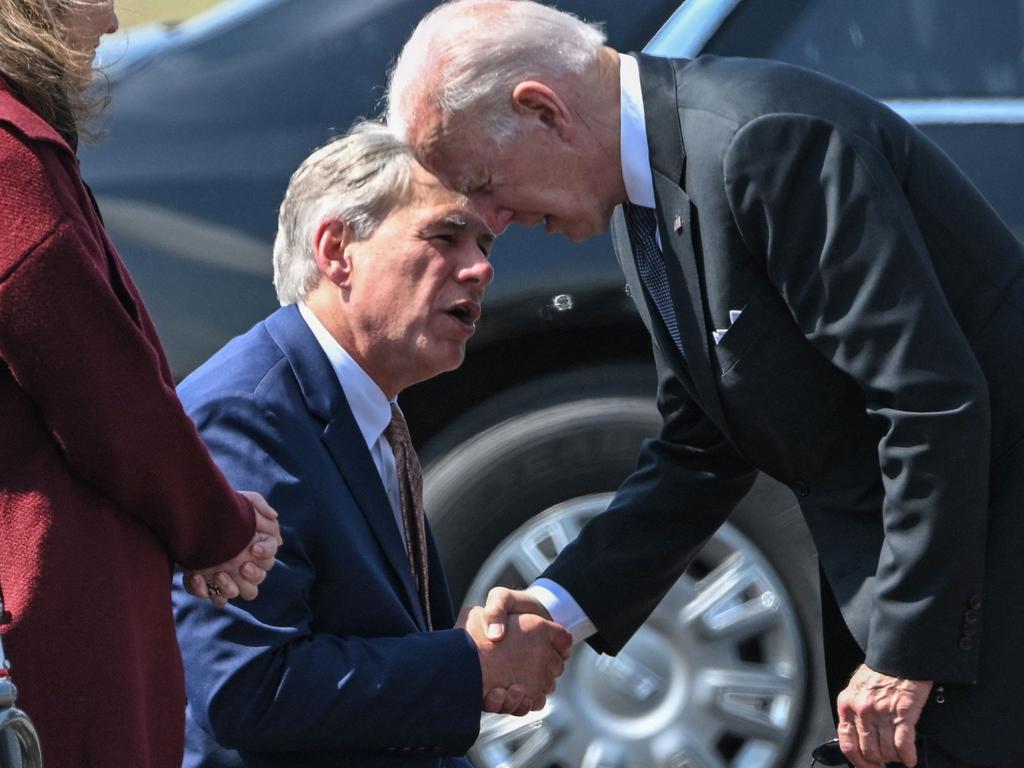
(521, 650)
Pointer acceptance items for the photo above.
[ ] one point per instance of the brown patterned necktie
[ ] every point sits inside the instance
(410, 487)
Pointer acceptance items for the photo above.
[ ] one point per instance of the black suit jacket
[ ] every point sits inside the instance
(876, 368)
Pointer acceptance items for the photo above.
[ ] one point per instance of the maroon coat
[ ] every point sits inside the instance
(104, 483)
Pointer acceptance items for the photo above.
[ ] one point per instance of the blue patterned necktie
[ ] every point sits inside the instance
(641, 225)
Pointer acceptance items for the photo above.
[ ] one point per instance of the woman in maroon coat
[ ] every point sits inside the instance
(104, 483)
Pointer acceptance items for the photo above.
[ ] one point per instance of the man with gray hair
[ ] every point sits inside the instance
(348, 657)
(830, 302)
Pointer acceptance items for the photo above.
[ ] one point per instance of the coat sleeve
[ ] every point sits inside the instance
(97, 380)
(686, 483)
(824, 212)
(273, 674)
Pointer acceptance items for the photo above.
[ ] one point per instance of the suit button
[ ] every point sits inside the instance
(800, 488)
(966, 643)
(970, 630)
(974, 601)
(971, 616)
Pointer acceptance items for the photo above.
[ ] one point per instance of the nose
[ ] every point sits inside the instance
(115, 24)
(477, 268)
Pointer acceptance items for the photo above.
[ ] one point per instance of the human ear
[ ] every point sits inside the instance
(331, 241)
(531, 98)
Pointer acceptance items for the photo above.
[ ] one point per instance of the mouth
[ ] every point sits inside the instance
(466, 312)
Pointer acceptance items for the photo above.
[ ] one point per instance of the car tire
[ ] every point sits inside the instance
(536, 449)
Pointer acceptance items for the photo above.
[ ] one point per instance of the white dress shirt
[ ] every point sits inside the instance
(636, 173)
(370, 407)
(636, 162)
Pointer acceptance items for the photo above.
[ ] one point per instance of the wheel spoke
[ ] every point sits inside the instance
(734, 600)
(514, 742)
(531, 750)
(603, 754)
(690, 755)
(530, 559)
(561, 531)
(676, 603)
(755, 703)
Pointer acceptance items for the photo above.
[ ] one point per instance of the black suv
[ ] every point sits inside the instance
(530, 437)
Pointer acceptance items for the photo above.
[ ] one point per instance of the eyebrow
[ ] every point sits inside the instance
(460, 223)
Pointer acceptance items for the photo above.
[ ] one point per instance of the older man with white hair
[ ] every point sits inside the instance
(830, 301)
(348, 655)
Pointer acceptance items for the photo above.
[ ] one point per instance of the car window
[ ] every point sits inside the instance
(628, 25)
(889, 48)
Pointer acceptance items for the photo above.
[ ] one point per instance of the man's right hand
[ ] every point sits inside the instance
(503, 602)
(520, 671)
(242, 574)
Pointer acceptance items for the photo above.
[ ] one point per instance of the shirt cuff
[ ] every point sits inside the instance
(563, 608)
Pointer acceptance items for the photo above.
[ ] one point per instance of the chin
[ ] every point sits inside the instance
(457, 360)
(448, 361)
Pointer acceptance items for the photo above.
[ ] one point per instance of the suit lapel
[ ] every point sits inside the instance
(676, 228)
(343, 440)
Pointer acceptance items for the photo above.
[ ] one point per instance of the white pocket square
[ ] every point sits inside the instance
(719, 333)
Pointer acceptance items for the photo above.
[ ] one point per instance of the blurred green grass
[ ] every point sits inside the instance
(135, 12)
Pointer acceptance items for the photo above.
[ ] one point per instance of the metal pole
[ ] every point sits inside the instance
(19, 743)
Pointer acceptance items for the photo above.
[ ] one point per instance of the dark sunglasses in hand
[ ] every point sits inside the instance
(829, 754)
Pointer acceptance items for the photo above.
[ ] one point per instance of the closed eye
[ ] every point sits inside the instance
(482, 189)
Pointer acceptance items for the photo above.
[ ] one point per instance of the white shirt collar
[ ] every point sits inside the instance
(369, 405)
(636, 163)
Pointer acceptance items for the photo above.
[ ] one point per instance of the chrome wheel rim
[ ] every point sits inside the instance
(714, 679)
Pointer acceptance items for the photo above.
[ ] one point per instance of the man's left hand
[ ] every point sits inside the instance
(242, 575)
(878, 717)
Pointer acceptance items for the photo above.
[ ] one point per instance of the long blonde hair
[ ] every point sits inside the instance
(47, 73)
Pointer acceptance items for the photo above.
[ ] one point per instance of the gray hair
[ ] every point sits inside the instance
(466, 56)
(358, 178)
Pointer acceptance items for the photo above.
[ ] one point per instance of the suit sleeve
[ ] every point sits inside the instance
(97, 380)
(269, 675)
(686, 483)
(839, 241)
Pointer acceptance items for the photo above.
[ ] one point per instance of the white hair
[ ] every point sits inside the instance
(358, 178)
(466, 56)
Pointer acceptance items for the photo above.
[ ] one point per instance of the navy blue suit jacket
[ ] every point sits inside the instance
(332, 663)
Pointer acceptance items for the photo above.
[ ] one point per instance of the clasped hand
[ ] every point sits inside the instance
(241, 575)
(522, 652)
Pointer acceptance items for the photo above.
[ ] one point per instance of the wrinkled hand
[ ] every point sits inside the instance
(878, 716)
(242, 574)
(520, 671)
